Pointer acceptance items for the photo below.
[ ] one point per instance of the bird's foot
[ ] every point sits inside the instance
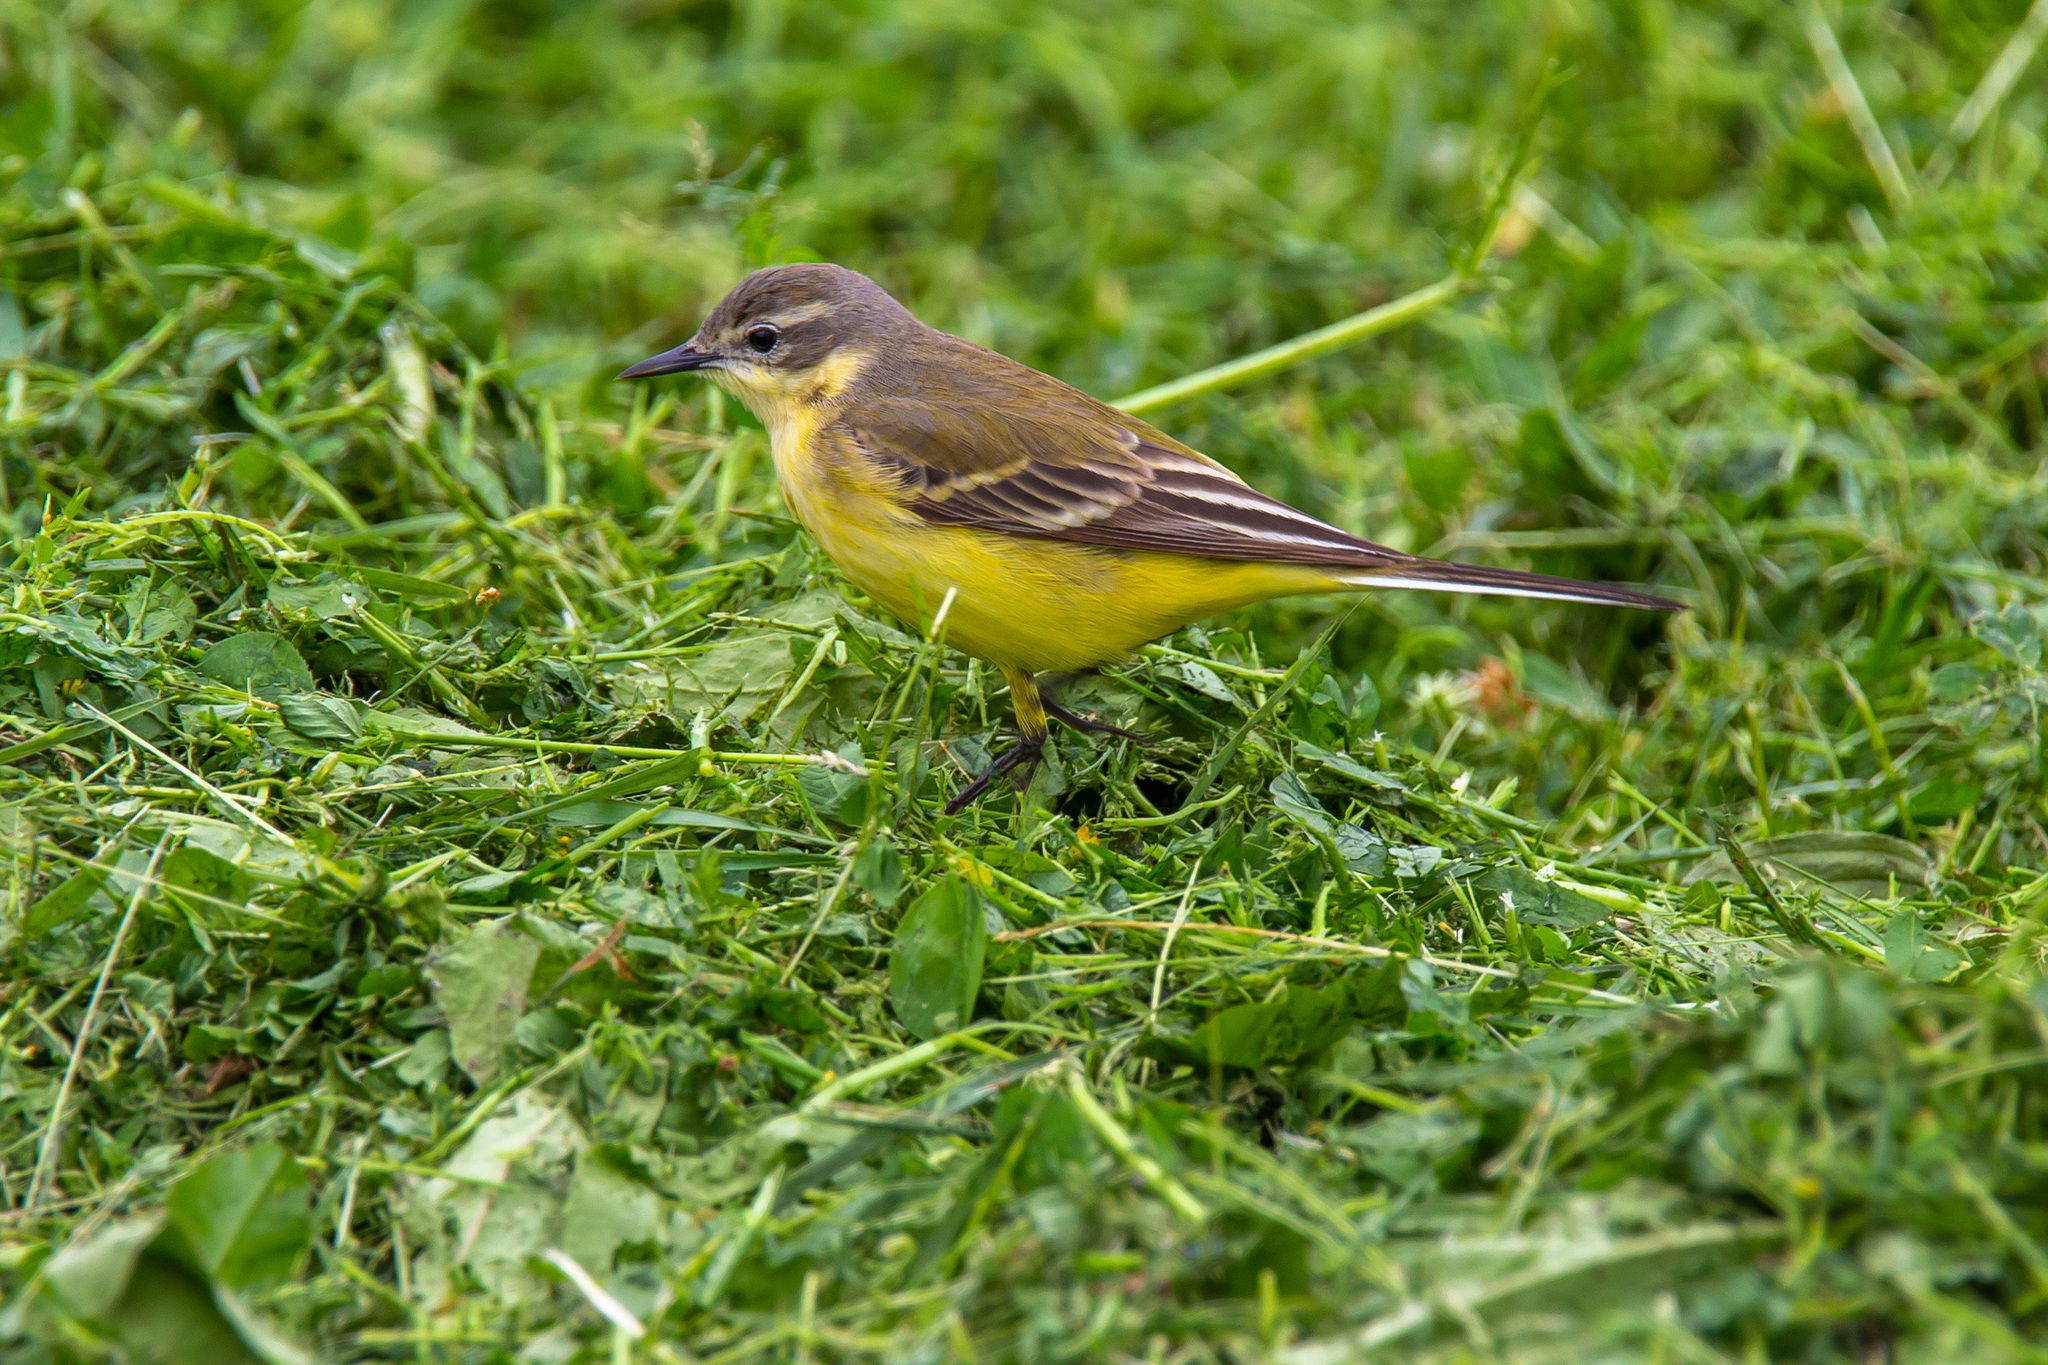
(1088, 725)
(1024, 755)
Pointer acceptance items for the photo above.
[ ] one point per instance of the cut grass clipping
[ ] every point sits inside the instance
(475, 885)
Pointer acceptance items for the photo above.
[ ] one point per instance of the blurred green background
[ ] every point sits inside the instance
(1766, 326)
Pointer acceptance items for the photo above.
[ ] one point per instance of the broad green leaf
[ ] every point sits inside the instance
(169, 1316)
(836, 795)
(1957, 682)
(1913, 953)
(1034, 868)
(1365, 706)
(736, 678)
(1297, 802)
(413, 723)
(1298, 1023)
(605, 1210)
(244, 1215)
(641, 777)
(1419, 989)
(316, 715)
(1944, 799)
(1203, 679)
(429, 1055)
(935, 962)
(212, 881)
(257, 1331)
(259, 662)
(1402, 1147)
(480, 983)
(91, 1275)
(1536, 901)
(878, 870)
(2014, 632)
(1249, 1036)
(328, 599)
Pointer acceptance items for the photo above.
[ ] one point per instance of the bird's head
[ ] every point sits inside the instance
(789, 333)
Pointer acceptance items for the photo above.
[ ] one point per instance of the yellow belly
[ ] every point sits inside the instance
(1021, 603)
(1044, 605)
(1037, 605)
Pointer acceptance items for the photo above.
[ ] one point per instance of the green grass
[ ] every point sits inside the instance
(455, 828)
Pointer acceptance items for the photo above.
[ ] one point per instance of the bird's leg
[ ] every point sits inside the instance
(1030, 708)
(1088, 725)
(1024, 754)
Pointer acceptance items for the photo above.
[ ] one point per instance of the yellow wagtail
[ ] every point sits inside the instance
(1067, 532)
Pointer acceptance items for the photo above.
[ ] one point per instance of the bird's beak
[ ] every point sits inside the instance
(682, 358)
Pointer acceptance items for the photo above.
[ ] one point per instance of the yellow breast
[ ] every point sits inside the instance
(1019, 602)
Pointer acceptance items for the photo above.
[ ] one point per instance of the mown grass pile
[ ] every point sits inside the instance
(476, 885)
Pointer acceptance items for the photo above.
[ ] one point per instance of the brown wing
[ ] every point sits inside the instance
(1017, 452)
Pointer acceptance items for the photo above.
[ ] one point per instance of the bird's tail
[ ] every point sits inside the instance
(1438, 575)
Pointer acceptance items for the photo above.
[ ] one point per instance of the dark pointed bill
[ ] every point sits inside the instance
(682, 358)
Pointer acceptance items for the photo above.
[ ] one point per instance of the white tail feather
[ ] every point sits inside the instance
(1385, 580)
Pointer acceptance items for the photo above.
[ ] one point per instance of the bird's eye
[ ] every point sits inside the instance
(762, 340)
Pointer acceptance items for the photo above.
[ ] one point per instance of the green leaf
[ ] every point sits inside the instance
(1536, 901)
(328, 599)
(1203, 679)
(1834, 862)
(1563, 689)
(244, 1215)
(1027, 866)
(1365, 706)
(64, 902)
(318, 716)
(409, 586)
(212, 880)
(735, 678)
(1393, 788)
(1297, 802)
(1944, 799)
(878, 870)
(1402, 1147)
(90, 1275)
(168, 1316)
(836, 795)
(1957, 682)
(257, 1331)
(605, 1210)
(1299, 1022)
(259, 662)
(1418, 988)
(480, 983)
(597, 814)
(1437, 477)
(205, 1043)
(935, 962)
(2014, 632)
(410, 722)
(159, 610)
(429, 1055)
(1916, 955)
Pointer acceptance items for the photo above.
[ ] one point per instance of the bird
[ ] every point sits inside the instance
(1059, 533)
